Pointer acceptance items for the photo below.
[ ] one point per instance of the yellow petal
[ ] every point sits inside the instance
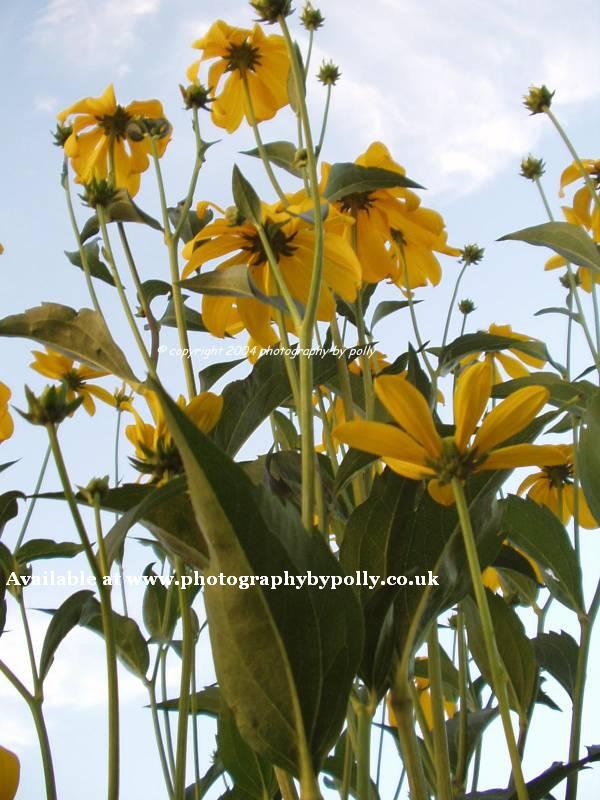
(585, 516)
(473, 389)
(382, 440)
(442, 493)
(10, 771)
(205, 410)
(408, 469)
(509, 417)
(523, 455)
(409, 408)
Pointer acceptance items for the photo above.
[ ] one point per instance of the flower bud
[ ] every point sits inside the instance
(466, 306)
(269, 11)
(532, 168)
(311, 18)
(565, 280)
(196, 95)
(61, 134)
(96, 490)
(234, 216)
(329, 73)
(157, 128)
(98, 192)
(51, 407)
(471, 254)
(134, 131)
(538, 99)
(300, 158)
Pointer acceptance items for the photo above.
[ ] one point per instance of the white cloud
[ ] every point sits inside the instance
(45, 103)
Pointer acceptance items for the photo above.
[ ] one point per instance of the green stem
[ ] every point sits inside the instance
(380, 747)
(184, 691)
(116, 463)
(367, 377)
(463, 677)
(311, 36)
(409, 748)
(30, 651)
(259, 142)
(171, 244)
(187, 203)
(111, 662)
(194, 712)
(290, 367)
(452, 302)
(364, 715)
(440, 741)
(347, 772)
(31, 506)
(324, 124)
(286, 784)
(415, 324)
(150, 685)
(499, 680)
(164, 697)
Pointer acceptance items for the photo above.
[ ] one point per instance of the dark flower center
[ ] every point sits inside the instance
(559, 476)
(242, 57)
(281, 245)
(359, 201)
(115, 125)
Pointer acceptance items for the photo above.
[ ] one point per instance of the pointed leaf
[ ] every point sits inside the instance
(211, 374)
(64, 619)
(36, 549)
(388, 307)
(588, 455)
(568, 240)
(97, 267)
(131, 646)
(121, 209)
(558, 653)
(193, 319)
(282, 154)
(346, 179)
(251, 774)
(245, 198)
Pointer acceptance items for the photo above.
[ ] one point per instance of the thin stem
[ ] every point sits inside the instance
(409, 748)
(31, 506)
(187, 203)
(194, 712)
(380, 746)
(367, 377)
(463, 677)
(364, 715)
(37, 688)
(150, 685)
(259, 142)
(413, 318)
(286, 784)
(440, 741)
(311, 36)
(452, 302)
(163, 688)
(498, 675)
(347, 772)
(325, 118)
(184, 691)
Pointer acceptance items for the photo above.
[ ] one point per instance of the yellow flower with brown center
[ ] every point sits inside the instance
(395, 236)
(105, 133)
(292, 241)
(419, 452)
(62, 368)
(244, 56)
(514, 362)
(155, 451)
(10, 772)
(554, 487)
(6, 423)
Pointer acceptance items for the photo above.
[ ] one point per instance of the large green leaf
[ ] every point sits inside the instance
(82, 335)
(131, 646)
(541, 535)
(9, 508)
(251, 774)
(286, 658)
(230, 282)
(514, 648)
(566, 239)
(121, 209)
(282, 154)
(387, 307)
(558, 654)
(347, 178)
(211, 374)
(245, 198)
(64, 619)
(588, 455)
(193, 320)
(96, 266)
(40, 549)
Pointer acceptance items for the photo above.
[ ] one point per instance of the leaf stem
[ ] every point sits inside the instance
(440, 741)
(460, 775)
(403, 712)
(184, 692)
(36, 491)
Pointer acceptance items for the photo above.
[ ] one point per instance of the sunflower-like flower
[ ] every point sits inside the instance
(10, 772)
(514, 362)
(584, 212)
(420, 453)
(554, 487)
(105, 133)
(6, 423)
(292, 242)
(245, 56)
(76, 379)
(395, 236)
(155, 451)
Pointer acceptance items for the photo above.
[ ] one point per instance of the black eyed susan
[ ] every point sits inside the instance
(243, 56)
(554, 487)
(292, 242)
(155, 451)
(419, 452)
(76, 379)
(514, 362)
(106, 140)
(10, 772)
(6, 422)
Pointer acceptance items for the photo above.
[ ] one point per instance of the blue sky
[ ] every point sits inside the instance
(440, 83)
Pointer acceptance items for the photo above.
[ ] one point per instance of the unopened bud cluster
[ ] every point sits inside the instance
(311, 18)
(532, 168)
(471, 254)
(51, 407)
(538, 99)
(270, 11)
(329, 74)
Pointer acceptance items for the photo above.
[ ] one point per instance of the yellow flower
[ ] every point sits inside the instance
(245, 55)
(513, 361)
(6, 423)
(101, 124)
(62, 368)
(395, 237)
(423, 688)
(292, 242)
(377, 362)
(553, 487)
(418, 451)
(155, 450)
(10, 771)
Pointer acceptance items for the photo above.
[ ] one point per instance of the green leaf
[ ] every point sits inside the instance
(562, 393)
(292, 92)
(211, 374)
(588, 455)
(9, 508)
(121, 209)
(82, 335)
(64, 619)
(37, 549)
(131, 646)
(477, 722)
(486, 343)
(282, 154)
(193, 223)
(299, 647)
(346, 179)
(230, 282)
(286, 431)
(514, 648)
(160, 624)
(245, 198)
(251, 774)
(388, 307)
(207, 701)
(558, 654)
(97, 267)
(559, 310)
(210, 777)
(193, 319)
(154, 288)
(247, 402)
(568, 240)
(353, 464)
(540, 534)
(7, 464)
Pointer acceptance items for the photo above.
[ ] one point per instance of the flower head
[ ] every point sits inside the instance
(514, 361)
(6, 422)
(554, 487)
(155, 451)
(102, 137)
(538, 99)
(532, 168)
(291, 240)
(10, 771)
(311, 18)
(471, 254)
(270, 11)
(246, 57)
(75, 379)
(329, 73)
(417, 451)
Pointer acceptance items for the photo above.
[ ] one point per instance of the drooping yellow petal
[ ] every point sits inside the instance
(523, 455)
(205, 410)
(473, 389)
(408, 469)
(584, 514)
(442, 493)
(382, 440)
(509, 417)
(10, 772)
(409, 408)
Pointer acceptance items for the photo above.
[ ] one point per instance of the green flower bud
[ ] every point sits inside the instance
(269, 11)
(98, 192)
(234, 216)
(565, 280)
(96, 490)
(61, 134)
(311, 18)
(134, 131)
(471, 254)
(51, 407)
(329, 74)
(532, 168)
(538, 99)
(196, 95)
(300, 158)
(466, 306)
